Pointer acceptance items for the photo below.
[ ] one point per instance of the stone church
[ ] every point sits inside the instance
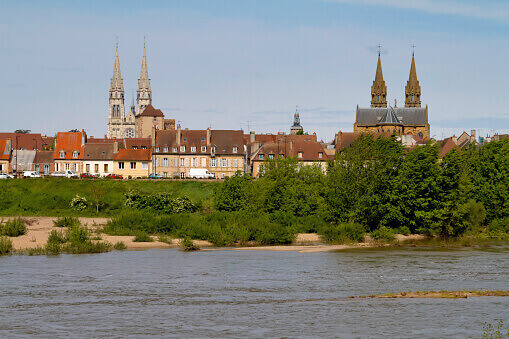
(121, 125)
(411, 119)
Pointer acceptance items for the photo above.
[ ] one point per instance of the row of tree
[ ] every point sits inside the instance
(376, 183)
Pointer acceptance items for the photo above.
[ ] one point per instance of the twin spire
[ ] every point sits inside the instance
(412, 89)
(144, 92)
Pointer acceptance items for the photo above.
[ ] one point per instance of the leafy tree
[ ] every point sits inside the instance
(231, 195)
(22, 131)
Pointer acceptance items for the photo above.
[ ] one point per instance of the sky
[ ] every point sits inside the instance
(230, 64)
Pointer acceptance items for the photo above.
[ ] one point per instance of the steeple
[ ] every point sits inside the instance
(116, 102)
(144, 93)
(296, 127)
(379, 90)
(412, 89)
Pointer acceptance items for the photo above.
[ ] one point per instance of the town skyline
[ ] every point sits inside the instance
(247, 68)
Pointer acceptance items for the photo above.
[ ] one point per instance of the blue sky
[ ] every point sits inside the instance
(239, 63)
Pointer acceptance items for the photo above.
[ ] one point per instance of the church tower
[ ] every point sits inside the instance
(412, 89)
(144, 93)
(116, 102)
(378, 89)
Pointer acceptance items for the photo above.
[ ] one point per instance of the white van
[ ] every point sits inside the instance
(200, 173)
(66, 174)
(31, 174)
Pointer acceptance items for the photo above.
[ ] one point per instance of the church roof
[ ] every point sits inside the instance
(150, 111)
(408, 116)
(389, 118)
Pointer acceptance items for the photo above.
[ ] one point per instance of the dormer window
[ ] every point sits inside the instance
(104, 152)
(320, 155)
(271, 156)
(75, 154)
(183, 148)
(213, 149)
(185, 139)
(61, 154)
(135, 147)
(174, 149)
(166, 149)
(157, 149)
(260, 156)
(193, 148)
(299, 155)
(204, 149)
(235, 149)
(203, 139)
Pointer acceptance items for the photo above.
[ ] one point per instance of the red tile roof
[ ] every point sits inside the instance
(44, 157)
(69, 142)
(150, 111)
(28, 141)
(132, 155)
(291, 146)
(446, 146)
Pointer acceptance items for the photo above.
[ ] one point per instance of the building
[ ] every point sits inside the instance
(28, 141)
(44, 164)
(98, 158)
(132, 163)
(5, 155)
(305, 148)
(411, 119)
(177, 151)
(69, 151)
(152, 118)
(121, 125)
(296, 127)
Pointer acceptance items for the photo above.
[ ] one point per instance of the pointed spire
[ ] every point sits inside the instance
(116, 80)
(144, 93)
(144, 81)
(296, 127)
(412, 89)
(378, 89)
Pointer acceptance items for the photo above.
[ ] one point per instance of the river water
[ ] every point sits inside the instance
(227, 293)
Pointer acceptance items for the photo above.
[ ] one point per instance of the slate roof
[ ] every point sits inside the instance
(389, 118)
(225, 140)
(99, 151)
(408, 116)
(43, 157)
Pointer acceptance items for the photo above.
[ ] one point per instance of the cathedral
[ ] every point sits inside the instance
(411, 119)
(121, 125)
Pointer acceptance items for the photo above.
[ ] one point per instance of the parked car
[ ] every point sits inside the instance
(87, 176)
(31, 174)
(200, 173)
(6, 176)
(155, 176)
(113, 176)
(66, 174)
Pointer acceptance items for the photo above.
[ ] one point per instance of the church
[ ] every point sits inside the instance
(121, 125)
(411, 119)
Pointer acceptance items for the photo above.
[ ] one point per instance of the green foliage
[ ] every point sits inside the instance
(343, 233)
(5, 245)
(66, 222)
(79, 203)
(13, 227)
(188, 245)
(402, 230)
(231, 195)
(119, 246)
(159, 203)
(76, 240)
(142, 237)
(165, 239)
(383, 233)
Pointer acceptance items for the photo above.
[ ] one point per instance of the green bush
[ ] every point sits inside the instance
(119, 246)
(165, 239)
(5, 245)
(78, 234)
(188, 245)
(66, 222)
(402, 230)
(343, 233)
(57, 237)
(383, 234)
(142, 237)
(14, 227)
(499, 225)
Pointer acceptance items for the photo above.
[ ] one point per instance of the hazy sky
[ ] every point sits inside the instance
(236, 63)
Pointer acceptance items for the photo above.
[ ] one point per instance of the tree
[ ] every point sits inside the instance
(22, 131)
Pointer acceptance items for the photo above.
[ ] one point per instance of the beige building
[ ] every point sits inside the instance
(152, 118)
(177, 151)
(98, 158)
(132, 163)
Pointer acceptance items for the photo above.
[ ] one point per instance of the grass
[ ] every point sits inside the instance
(164, 238)
(188, 245)
(143, 237)
(119, 246)
(66, 222)
(13, 227)
(75, 240)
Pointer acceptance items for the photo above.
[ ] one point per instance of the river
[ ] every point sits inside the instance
(249, 294)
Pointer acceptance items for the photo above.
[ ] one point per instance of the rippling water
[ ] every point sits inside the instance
(249, 294)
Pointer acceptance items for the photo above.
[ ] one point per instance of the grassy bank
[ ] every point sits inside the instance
(104, 198)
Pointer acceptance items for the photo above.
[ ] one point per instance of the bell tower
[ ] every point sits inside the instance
(412, 89)
(144, 93)
(116, 102)
(378, 89)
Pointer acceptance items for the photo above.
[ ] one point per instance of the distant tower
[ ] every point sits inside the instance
(116, 102)
(296, 127)
(379, 90)
(144, 93)
(412, 89)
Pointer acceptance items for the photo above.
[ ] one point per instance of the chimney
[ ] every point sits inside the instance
(208, 136)
(454, 139)
(252, 136)
(472, 135)
(115, 147)
(83, 137)
(178, 135)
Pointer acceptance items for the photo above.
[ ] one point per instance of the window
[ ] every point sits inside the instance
(299, 155)
(143, 147)
(203, 139)
(194, 162)
(46, 169)
(234, 163)
(182, 148)
(165, 162)
(36, 168)
(260, 156)
(133, 165)
(135, 147)
(121, 165)
(67, 167)
(61, 154)
(271, 156)
(235, 149)
(165, 150)
(224, 162)
(204, 149)
(105, 168)
(185, 139)
(156, 149)
(193, 149)
(75, 154)
(281, 156)
(96, 168)
(57, 167)
(157, 162)
(175, 162)
(320, 155)
(182, 162)
(174, 149)
(213, 149)
(87, 168)
(144, 165)
(1, 167)
(260, 169)
(223, 175)
(213, 162)
(203, 162)
(182, 175)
